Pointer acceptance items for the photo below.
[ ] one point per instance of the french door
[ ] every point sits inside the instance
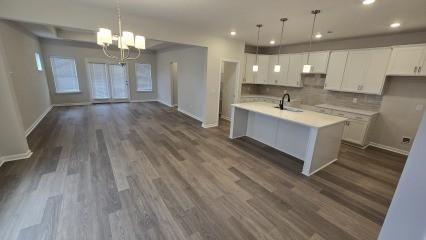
(109, 82)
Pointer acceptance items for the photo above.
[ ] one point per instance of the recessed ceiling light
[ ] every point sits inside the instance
(395, 25)
(318, 35)
(368, 2)
(233, 33)
(272, 42)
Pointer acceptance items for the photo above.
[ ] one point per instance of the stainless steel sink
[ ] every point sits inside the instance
(291, 109)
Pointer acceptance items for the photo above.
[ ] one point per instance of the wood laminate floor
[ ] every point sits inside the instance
(145, 171)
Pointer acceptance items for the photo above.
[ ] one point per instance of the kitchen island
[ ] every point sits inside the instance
(309, 136)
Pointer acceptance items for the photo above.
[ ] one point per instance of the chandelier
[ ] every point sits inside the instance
(126, 41)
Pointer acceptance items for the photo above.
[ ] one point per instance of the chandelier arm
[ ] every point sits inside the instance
(105, 49)
(137, 56)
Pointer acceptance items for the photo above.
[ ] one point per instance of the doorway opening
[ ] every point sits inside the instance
(228, 82)
(109, 82)
(174, 83)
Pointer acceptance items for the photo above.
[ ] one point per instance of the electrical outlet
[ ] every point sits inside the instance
(406, 140)
(419, 107)
(355, 100)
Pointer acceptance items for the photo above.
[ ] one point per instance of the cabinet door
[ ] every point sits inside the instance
(405, 60)
(295, 70)
(262, 74)
(279, 78)
(319, 61)
(376, 71)
(355, 71)
(422, 71)
(335, 70)
(250, 61)
(355, 131)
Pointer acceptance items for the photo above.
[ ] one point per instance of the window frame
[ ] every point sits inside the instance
(54, 78)
(150, 76)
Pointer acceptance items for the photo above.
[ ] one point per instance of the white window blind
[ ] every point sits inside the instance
(38, 62)
(143, 77)
(65, 75)
(118, 81)
(100, 83)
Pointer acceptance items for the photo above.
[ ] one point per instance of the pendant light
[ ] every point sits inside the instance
(277, 67)
(307, 68)
(256, 66)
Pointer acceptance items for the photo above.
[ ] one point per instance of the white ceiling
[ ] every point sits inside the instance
(345, 18)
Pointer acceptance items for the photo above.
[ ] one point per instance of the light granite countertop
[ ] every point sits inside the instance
(347, 109)
(306, 118)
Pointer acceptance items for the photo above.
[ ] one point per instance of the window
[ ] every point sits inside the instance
(143, 77)
(64, 75)
(38, 62)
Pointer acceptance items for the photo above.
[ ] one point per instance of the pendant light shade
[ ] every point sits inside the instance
(277, 67)
(256, 66)
(307, 68)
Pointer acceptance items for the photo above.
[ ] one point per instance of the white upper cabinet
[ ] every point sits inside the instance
(318, 61)
(295, 70)
(278, 78)
(250, 61)
(262, 74)
(407, 61)
(335, 70)
(376, 71)
(365, 70)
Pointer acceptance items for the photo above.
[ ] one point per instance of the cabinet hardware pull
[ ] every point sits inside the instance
(419, 69)
(415, 69)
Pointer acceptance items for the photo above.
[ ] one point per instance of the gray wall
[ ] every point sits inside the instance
(12, 134)
(406, 217)
(82, 51)
(191, 63)
(350, 43)
(30, 85)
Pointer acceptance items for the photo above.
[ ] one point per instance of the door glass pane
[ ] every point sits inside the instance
(118, 81)
(100, 86)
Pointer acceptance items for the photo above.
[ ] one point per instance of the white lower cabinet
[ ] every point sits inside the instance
(357, 126)
(355, 131)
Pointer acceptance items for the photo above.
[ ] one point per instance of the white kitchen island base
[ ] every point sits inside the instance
(312, 137)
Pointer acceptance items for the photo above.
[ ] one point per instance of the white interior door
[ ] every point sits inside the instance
(119, 82)
(100, 82)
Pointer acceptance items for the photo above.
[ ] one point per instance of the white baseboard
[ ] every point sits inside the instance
(71, 104)
(391, 149)
(162, 102)
(190, 114)
(210, 125)
(144, 100)
(15, 157)
(39, 119)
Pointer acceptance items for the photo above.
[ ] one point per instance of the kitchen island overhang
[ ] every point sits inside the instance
(312, 137)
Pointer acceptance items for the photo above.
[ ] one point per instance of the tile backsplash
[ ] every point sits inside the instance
(313, 93)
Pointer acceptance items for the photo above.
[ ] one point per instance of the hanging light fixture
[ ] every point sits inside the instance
(256, 66)
(277, 67)
(126, 41)
(307, 68)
